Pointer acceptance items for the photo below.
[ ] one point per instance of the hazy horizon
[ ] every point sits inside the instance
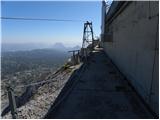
(6, 47)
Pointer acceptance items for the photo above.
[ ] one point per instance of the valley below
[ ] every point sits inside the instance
(21, 68)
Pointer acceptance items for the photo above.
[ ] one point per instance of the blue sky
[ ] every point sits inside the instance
(47, 32)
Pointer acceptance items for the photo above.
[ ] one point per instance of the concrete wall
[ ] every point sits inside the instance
(103, 14)
(134, 48)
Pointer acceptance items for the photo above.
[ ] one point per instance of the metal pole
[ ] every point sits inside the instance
(12, 102)
(78, 57)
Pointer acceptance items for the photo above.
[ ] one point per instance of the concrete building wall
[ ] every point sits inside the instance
(103, 14)
(134, 48)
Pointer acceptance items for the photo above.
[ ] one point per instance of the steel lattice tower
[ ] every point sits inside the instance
(87, 35)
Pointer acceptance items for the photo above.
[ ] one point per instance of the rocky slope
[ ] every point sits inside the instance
(44, 95)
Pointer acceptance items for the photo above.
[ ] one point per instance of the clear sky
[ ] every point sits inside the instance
(49, 32)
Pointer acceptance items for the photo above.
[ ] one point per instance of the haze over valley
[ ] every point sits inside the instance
(27, 63)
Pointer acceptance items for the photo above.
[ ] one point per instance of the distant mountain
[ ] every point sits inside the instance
(59, 46)
(31, 46)
(21, 46)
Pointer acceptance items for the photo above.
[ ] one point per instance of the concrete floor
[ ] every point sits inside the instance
(101, 92)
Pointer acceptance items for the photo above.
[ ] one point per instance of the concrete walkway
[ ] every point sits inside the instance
(101, 92)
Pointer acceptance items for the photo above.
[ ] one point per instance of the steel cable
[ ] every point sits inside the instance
(41, 19)
(40, 82)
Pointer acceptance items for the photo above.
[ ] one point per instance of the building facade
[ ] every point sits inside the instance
(130, 37)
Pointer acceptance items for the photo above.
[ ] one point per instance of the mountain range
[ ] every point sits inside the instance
(5, 47)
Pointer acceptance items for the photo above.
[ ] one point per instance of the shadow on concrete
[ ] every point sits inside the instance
(98, 91)
(65, 91)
